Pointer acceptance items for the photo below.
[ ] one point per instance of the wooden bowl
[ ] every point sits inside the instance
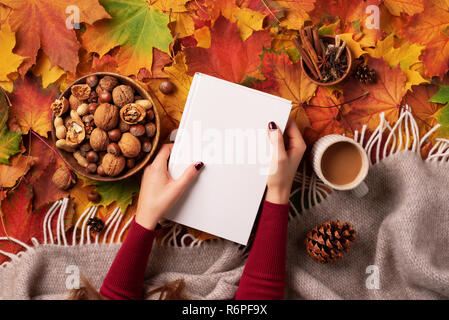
(329, 39)
(68, 156)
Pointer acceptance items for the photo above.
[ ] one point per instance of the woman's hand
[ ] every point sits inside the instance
(287, 155)
(159, 191)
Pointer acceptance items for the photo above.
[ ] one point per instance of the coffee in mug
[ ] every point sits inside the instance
(341, 163)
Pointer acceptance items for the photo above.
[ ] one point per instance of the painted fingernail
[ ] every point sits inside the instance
(272, 126)
(199, 165)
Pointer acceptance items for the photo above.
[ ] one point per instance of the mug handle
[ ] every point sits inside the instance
(361, 190)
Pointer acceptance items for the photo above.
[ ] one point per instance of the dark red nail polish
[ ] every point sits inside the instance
(199, 165)
(272, 126)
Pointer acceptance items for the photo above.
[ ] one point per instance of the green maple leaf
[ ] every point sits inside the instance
(442, 96)
(9, 140)
(137, 27)
(121, 192)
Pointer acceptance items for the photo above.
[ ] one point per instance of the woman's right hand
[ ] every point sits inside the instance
(288, 152)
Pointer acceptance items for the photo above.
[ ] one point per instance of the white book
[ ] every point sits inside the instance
(225, 125)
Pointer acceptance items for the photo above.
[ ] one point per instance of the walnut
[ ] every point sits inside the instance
(113, 165)
(99, 139)
(60, 106)
(106, 116)
(108, 83)
(74, 102)
(129, 145)
(62, 178)
(75, 129)
(132, 113)
(81, 91)
(122, 95)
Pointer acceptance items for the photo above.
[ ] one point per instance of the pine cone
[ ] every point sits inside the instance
(96, 225)
(326, 242)
(365, 74)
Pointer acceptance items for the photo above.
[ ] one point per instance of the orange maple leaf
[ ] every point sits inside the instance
(384, 96)
(228, 57)
(43, 24)
(431, 29)
(31, 107)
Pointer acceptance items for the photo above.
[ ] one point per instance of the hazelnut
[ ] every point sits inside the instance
(92, 80)
(129, 145)
(92, 156)
(60, 106)
(81, 91)
(123, 126)
(92, 107)
(108, 83)
(122, 95)
(150, 115)
(132, 113)
(106, 116)
(150, 129)
(100, 171)
(113, 148)
(167, 87)
(137, 130)
(113, 165)
(99, 139)
(104, 97)
(130, 163)
(74, 102)
(147, 146)
(114, 134)
(62, 179)
(91, 167)
(93, 196)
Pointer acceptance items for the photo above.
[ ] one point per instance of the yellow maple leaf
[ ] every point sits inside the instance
(355, 46)
(20, 164)
(180, 20)
(10, 61)
(202, 36)
(49, 74)
(409, 7)
(247, 21)
(296, 13)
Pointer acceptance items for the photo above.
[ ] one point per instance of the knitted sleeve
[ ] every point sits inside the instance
(264, 275)
(126, 276)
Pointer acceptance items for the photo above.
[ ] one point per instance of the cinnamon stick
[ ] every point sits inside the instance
(311, 51)
(305, 57)
(316, 40)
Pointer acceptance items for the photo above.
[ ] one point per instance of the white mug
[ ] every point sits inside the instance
(357, 185)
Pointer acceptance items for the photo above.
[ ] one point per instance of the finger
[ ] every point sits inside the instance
(294, 137)
(188, 176)
(276, 138)
(163, 155)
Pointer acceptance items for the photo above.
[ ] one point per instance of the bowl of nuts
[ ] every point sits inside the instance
(105, 126)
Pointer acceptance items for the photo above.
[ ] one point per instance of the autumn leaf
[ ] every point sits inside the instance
(48, 72)
(137, 27)
(182, 23)
(31, 106)
(324, 117)
(409, 7)
(10, 61)
(170, 106)
(118, 192)
(426, 109)
(9, 140)
(430, 29)
(20, 164)
(41, 174)
(395, 52)
(384, 96)
(353, 45)
(202, 36)
(228, 57)
(270, 8)
(42, 24)
(296, 12)
(160, 60)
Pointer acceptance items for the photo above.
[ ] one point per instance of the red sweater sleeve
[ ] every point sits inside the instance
(126, 276)
(264, 275)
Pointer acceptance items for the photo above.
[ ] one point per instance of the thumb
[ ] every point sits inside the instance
(188, 176)
(276, 139)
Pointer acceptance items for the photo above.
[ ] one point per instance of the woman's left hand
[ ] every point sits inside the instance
(159, 191)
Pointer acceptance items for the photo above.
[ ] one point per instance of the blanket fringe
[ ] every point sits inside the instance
(308, 190)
